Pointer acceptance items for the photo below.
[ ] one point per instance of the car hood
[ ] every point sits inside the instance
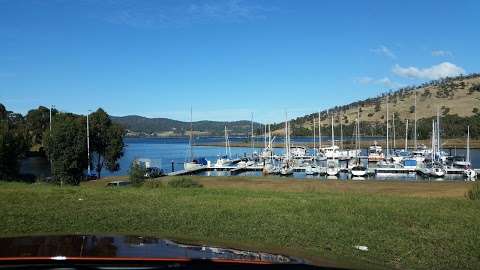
(57, 246)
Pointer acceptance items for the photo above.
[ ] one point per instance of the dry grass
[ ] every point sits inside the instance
(434, 189)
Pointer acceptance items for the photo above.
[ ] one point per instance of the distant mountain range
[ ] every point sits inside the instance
(139, 126)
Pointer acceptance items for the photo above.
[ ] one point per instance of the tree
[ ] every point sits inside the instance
(13, 143)
(66, 148)
(38, 121)
(136, 174)
(106, 141)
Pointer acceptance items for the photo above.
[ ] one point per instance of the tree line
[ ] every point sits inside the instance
(62, 139)
(451, 126)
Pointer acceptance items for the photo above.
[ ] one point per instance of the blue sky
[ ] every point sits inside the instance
(226, 58)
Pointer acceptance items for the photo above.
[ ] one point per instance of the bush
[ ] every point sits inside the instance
(136, 174)
(184, 183)
(153, 184)
(474, 193)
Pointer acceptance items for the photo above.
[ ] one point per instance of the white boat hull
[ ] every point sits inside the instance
(190, 166)
(359, 173)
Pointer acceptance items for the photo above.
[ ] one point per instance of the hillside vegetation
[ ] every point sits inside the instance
(457, 99)
(143, 126)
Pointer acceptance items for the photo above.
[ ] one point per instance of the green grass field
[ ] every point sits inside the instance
(404, 225)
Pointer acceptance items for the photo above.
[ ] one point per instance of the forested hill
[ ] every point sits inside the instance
(457, 99)
(143, 126)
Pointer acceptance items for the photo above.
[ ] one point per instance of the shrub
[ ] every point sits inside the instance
(153, 184)
(184, 182)
(475, 110)
(474, 193)
(136, 174)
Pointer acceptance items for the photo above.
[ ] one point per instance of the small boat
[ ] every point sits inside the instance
(333, 167)
(471, 174)
(269, 168)
(286, 170)
(222, 161)
(437, 171)
(195, 164)
(375, 153)
(359, 171)
(311, 170)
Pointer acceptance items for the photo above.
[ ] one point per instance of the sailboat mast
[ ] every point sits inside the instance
(269, 137)
(333, 136)
(226, 141)
(433, 141)
(286, 136)
(387, 128)
(415, 128)
(191, 134)
(314, 146)
(393, 129)
(341, 134)
(319, 131)
(358, 129)
(438, 129)
(468, 144)
(406, 135)
(253, 143)
(264, 135)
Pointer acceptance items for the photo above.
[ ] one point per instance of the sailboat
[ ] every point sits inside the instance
(193, 164)
(358, 170)
(436, 169)
(225, 160)
(469, 172)
(333, 167)
(267, 155)
(287, 168)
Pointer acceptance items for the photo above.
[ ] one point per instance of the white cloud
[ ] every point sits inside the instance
(386, 82)
(383, 50)
(445, 69)
(364, 80)
(442, 53)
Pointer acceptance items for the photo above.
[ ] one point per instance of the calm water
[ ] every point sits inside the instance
(162, 151)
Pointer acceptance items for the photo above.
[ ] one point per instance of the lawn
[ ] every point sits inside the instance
(406, 225)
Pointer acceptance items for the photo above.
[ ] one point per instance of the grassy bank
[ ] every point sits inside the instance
(407, 225)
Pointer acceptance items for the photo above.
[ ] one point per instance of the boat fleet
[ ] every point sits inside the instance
(431, 162)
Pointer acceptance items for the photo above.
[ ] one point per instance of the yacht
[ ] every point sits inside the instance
(375, 153)
(193, 164)
(333, 167)
(437, 170)
(359, 171)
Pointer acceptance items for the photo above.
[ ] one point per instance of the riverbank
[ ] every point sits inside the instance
(404, 224)
(399, 144)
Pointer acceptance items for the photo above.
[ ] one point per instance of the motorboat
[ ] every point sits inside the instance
(333, 167)
(375, 153)
(222, 161)
(195, 164)
(437, 170)
(359, 171)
